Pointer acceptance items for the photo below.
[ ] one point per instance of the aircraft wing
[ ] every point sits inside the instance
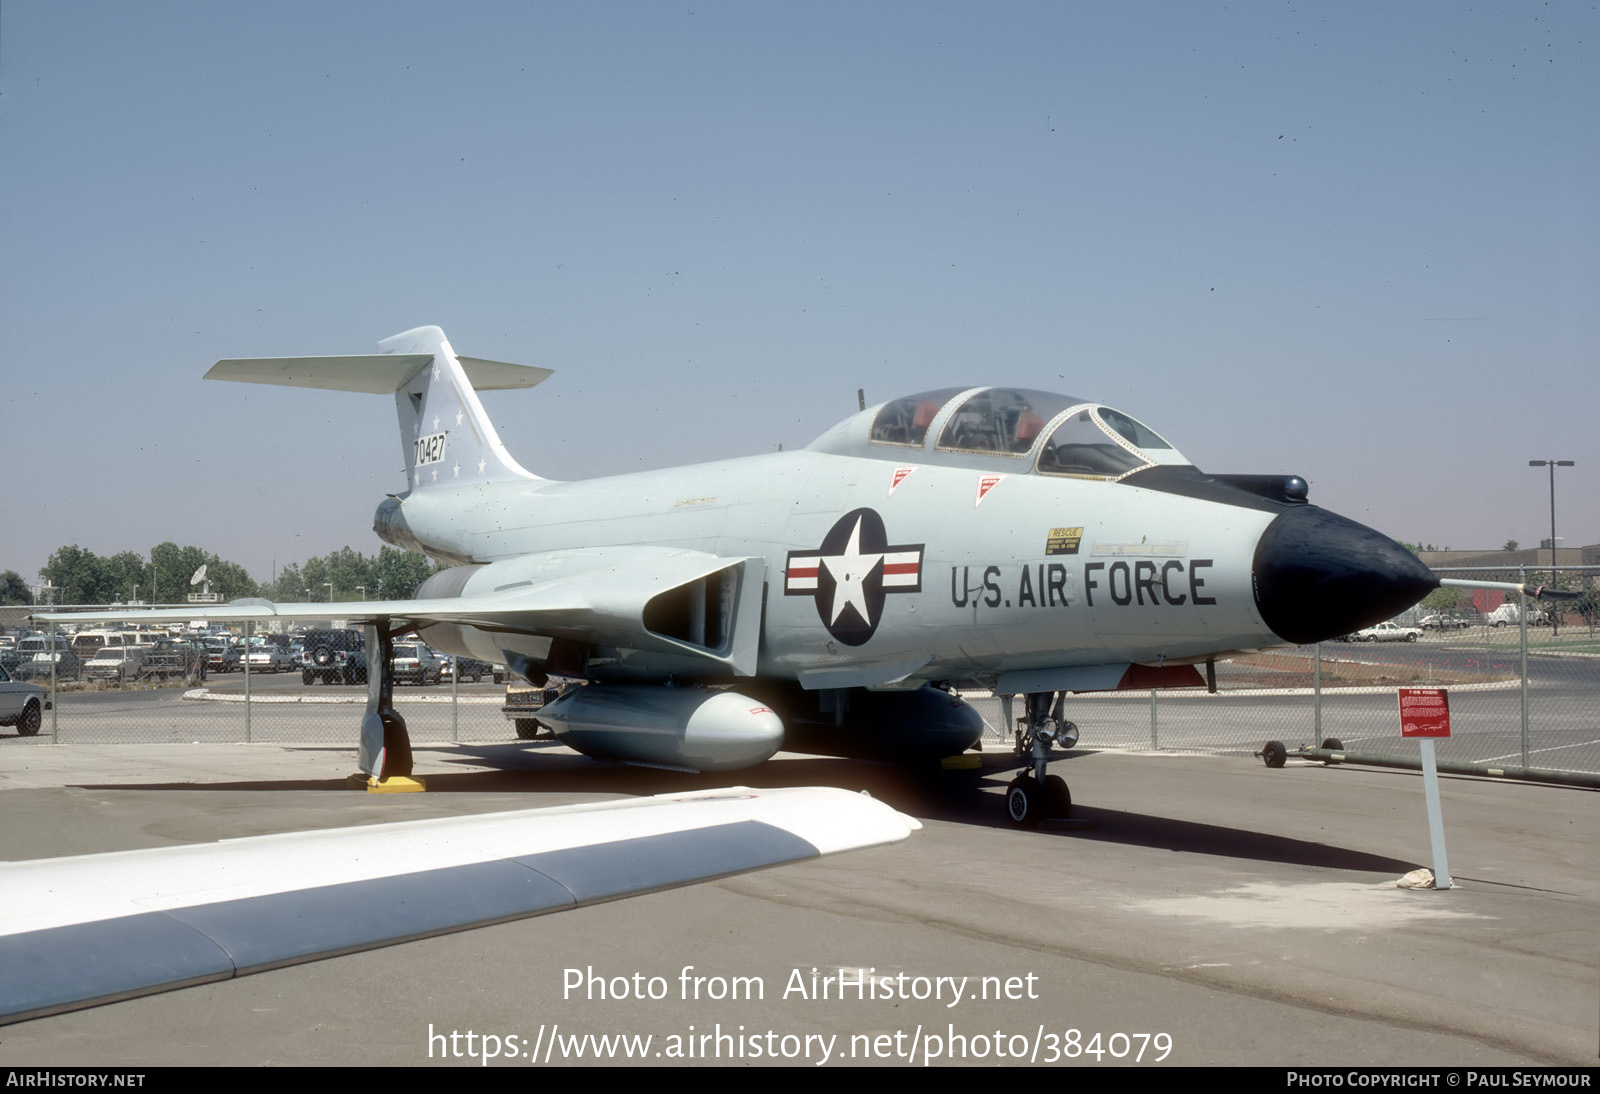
(98, 928)
(632, 597)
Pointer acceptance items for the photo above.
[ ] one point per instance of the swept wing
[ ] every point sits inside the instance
(98, 928)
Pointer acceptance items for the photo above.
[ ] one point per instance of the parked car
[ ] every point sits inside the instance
(22, 705)
(334, 657)
(34, 659)
(1442, 622)
(221, 655)
(168, 658)
(522, 707)
(471, 670)
(269, 657)
(88, 643)
(1509, 615)
(119, 663)
(416, 663)
(1389, 632)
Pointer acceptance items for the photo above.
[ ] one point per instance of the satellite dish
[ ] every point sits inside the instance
(199, 575)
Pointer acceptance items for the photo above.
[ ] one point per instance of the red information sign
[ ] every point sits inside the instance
(1424, 712)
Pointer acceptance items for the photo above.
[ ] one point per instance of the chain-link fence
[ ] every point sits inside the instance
(1526, 696)
(101, 683)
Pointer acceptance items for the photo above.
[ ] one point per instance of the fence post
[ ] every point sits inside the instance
(455, 696)
(1522, 605)
(55, 696)
(1155, 735)
(247, 681)
(1316, 693)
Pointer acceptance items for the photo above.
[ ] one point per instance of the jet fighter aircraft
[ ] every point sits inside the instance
(837, 596)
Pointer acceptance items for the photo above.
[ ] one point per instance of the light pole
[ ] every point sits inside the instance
(1552, 465)
(363, 590)
(329, 584)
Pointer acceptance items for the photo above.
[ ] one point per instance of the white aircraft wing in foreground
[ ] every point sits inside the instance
(98, 928)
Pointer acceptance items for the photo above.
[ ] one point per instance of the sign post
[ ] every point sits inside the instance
(1425, 714)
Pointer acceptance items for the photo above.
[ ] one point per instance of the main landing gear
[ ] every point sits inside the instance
(385, 751)
(1034, 795)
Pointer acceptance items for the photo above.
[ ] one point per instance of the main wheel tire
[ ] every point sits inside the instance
(1057, 796)
(29, 721)
(1273, 754)
(1024, 802)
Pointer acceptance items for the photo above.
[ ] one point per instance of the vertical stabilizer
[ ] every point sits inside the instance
(447, 438)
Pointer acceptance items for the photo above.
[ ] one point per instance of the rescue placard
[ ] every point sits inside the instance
(1424, 712)
(1063, 541)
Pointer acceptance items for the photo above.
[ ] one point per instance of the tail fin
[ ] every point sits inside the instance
(447, 437)
(445, 434)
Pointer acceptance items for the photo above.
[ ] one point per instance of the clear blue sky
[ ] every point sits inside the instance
(1355, 241)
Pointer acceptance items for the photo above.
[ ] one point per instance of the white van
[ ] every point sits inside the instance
(1510, 615)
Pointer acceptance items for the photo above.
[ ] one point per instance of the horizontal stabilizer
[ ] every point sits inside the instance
(373, 374)
(98, 928)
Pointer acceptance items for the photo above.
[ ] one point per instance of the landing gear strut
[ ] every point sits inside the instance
(385, 745)
(1034, 795)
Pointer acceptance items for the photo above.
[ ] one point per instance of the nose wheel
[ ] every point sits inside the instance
(1036, 795)
(1028, 803)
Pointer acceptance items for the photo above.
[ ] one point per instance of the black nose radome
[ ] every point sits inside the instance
(1318, 575)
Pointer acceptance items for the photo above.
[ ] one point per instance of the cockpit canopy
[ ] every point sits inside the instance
(1056, 434)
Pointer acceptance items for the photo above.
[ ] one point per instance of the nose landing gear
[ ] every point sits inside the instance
(1035, 795)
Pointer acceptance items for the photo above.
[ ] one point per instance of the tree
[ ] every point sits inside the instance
(79, 575)
(289, 588)
(83, 577)
(229, 579)
(1511, 545)
(396, 574)
(1443, 599)
(125, 576)
(1587, 606)
(171, 567)
(13, 590)
(389, 575)
(350, 572)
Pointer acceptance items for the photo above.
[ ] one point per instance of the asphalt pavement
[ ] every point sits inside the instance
(1199, 910)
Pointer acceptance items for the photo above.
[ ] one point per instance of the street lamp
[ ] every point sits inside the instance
(329, 584)
(1552, 465)
(363, 590)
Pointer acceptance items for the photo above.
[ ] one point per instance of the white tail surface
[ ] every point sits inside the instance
(445, 435)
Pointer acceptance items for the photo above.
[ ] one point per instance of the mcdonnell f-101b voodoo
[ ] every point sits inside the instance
(836, 597)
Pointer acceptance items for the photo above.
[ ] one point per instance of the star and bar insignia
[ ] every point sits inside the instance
(851, 573)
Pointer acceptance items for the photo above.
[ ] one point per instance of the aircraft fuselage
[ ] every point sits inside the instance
(963, 575)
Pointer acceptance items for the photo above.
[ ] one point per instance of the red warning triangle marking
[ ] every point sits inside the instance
(986, 483)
